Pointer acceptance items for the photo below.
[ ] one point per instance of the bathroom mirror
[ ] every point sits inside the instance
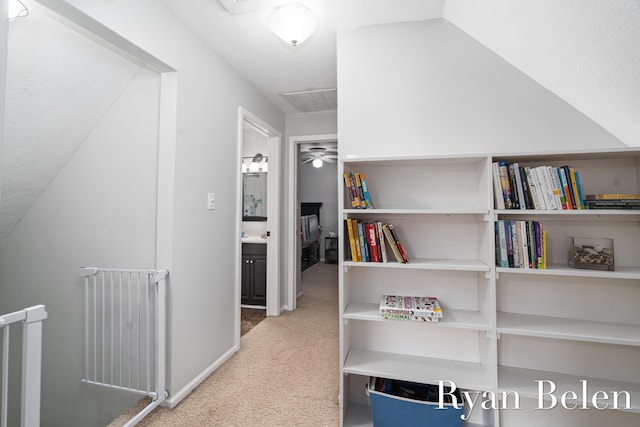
(254, 195)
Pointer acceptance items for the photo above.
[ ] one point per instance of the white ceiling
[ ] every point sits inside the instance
(585, 51)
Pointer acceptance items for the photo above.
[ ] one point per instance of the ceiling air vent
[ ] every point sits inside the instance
(313, 100)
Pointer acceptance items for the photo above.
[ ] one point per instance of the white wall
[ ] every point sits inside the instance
(203, 306)
(321, 122)
(3, 71)
(99, 210)
(429, 88)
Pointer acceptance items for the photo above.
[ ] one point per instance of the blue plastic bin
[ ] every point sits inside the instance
(389, 410)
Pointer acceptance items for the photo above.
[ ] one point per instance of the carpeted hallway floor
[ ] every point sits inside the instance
(285, 374)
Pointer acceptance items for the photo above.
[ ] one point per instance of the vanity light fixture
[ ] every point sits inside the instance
(257, 163)
(293, 23)
(19, 8)
(317, 163)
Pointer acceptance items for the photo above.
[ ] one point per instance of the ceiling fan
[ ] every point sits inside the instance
(318, 154)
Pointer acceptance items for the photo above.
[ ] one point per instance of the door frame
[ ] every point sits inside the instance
(273, 137)
(292, 234)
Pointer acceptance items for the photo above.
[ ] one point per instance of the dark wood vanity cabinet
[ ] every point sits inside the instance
(254, 274)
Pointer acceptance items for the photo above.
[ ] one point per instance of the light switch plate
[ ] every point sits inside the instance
(211, 201)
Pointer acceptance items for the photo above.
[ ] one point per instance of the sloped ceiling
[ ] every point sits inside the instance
(59, 85)
(585, 51)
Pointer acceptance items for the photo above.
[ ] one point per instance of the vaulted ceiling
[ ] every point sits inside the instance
(585, 51)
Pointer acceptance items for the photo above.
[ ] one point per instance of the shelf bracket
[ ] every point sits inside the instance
(497, 275)
(487, 275)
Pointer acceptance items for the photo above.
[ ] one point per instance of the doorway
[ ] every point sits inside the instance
(294, 211)
(258, 219)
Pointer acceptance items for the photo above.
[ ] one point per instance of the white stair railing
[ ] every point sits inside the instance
(125, 326)
(31, 319)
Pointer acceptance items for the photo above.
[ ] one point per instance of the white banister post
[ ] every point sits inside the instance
(32, 365)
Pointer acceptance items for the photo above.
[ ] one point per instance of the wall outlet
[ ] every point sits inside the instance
(211, 201)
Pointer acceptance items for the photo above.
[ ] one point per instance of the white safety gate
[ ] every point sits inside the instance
(125, 326)
(31, 319)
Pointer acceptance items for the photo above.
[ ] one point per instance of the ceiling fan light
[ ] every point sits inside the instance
(265, 168)
(317, 163)
(253, 167)
(293, 23)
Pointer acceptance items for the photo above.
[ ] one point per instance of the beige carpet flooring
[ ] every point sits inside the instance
(285, 374)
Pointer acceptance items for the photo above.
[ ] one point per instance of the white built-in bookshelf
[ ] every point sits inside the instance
(503, 328)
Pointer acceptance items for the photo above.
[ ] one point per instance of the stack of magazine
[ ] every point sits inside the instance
(421, 309)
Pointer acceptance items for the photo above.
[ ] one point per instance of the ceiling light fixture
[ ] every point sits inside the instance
(317, 163)
(19, 8)
(293, 23)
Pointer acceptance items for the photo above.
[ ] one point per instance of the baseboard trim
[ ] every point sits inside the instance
(176, 398)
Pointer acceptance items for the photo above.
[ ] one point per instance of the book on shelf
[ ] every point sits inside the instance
(541, 187)
(612, 204)
(498, 195)
(372, 243)
(349, 183)
(362, 246)
(400, 307)
(381, 244)
(394, 235)
(558, 190)
(577, 204)
(612, 196)
(517, 177)
(545, 187)
(352, 240)
(356, 188)
(365, 191)
(564, 181)
(392, 244)
(532, 183)
(501, 244)
(612, 201)
(505, 184)
(520, 244)
(368, 241)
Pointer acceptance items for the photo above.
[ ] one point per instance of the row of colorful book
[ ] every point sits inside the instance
(539, 187)
(612, 201)
(367, 242)
(521, 244)
(421, 309)
(356, 188)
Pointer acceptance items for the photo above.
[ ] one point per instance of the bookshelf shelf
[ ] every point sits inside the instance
(568, 329)
(400, 211)
(462, 319)
(632, 273)
(524, 382)
(569, 213)
(503, 328)
(427, 264)
(421, 369)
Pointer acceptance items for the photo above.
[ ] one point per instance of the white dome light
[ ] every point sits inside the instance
(293, 23)
(19, 8)
(317, 163)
